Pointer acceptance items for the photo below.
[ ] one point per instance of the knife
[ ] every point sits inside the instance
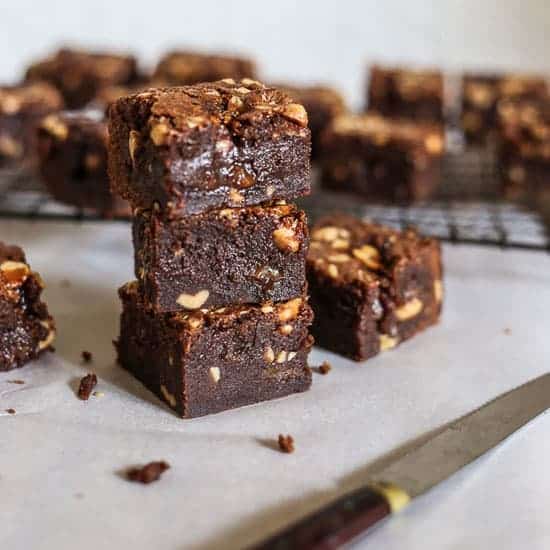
(392, 487)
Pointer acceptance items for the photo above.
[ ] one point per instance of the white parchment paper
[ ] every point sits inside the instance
(61, 458)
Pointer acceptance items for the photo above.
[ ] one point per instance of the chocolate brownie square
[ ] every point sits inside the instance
(524, 148)
(371, 287)
(481, 94)
(179, 68)
(21, 107)
(208, 361)
(79, 74)
(221, 257)
(406, 93)
(322, 104)
(215, 145)
(26, 328)
(72, 151)
(382, 159)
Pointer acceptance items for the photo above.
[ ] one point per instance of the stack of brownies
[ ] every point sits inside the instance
(218, 317)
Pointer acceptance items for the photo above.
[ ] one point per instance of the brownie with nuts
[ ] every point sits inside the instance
(371, 287)
(179, 68)
(524, 148)
(382, 159)
(72, 152)
(221, 257)
(211, 360)
(481, 94)
(214, 145)
(26, 328)
(406, 93)
(79, 74)
(322, 104)
(21, 107)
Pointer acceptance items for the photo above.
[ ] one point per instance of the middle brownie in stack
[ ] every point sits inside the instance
(218, 317)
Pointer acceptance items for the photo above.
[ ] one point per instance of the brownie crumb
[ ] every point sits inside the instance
(148, 473)
(10, 411)
(507, 331)
(15, 381)
(87, 384)
(325, 367)
(286, 443)
(87, 356)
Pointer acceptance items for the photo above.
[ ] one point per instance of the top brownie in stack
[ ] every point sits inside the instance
(405, 93)
(182, 67)
(78, 75)
(213, 145)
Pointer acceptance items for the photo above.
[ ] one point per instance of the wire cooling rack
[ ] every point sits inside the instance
(468, 208)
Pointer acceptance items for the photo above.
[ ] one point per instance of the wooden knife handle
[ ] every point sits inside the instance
(336, 524)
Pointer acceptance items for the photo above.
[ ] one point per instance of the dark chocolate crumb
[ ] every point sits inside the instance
(148, 473)
(15, 381)
(10, 411)
(87, 384)
(87, 356)
(507, 331)
(286, 443)
(325, 367)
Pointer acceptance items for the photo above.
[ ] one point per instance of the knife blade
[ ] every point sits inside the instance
(409, 475)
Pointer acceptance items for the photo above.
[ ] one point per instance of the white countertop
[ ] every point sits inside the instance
(61, 458)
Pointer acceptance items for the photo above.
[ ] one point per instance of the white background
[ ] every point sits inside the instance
(306, 40)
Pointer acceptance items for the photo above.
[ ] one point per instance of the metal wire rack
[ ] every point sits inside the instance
(468, 208)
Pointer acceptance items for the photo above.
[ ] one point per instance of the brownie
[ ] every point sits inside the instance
(208, 361)
(26, 328)
(322, 104)
(524, 148)
(481, 94)
(406, 93)
(214, 145)
(179, 68)
(370, 286)
(78, 74)
(72, 151)
(382, 159)
(221, 257)
(21, 107)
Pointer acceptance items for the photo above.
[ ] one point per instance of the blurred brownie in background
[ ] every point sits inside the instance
(406, 93)
(524, 148)
(72, 151)
(481, 94)
(212, 145)
(21, 108)
(187, 67)
(371, 287)
(322, 104)
(79, 74)
(26, 328)
(382, 159)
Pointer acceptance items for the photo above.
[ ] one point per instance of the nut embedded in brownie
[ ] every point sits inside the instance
(221, 257)
(322, 104)
(381, 158)
(72, 161)
(481, 94)
(208, 361)
(26, 328)
(215, 145)
(179, 68)
(79, 74)
(406, 93)
(524, 149)
(21, 107)
(371, 287)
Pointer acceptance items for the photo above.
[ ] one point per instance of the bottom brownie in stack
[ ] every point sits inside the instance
(206, 361)
(371, 287)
